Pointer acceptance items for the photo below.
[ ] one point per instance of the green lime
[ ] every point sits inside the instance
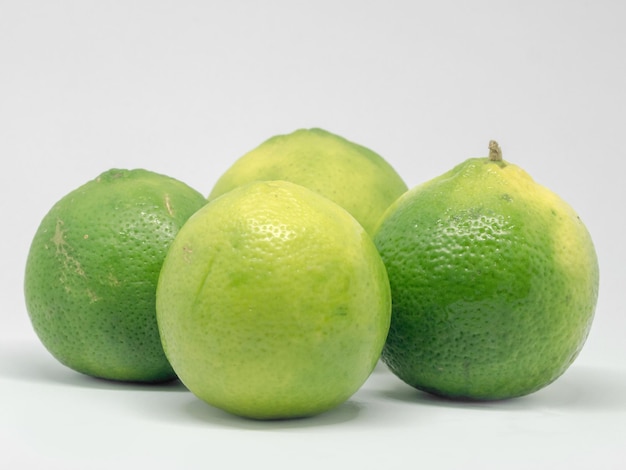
(92, 271)
(355, 177)
(273, 302)
(494, 282)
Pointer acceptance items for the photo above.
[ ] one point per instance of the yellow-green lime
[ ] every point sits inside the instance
(92, 270)
(353, 176)
(494, 282)
(273, 302)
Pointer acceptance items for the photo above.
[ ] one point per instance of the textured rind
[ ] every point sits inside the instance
(494, 283)
(273, 302)
(353, 176)
(92, 270)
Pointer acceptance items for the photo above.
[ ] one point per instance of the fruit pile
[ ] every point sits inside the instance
(310, 260)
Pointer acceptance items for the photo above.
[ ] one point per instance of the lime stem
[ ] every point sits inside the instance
(495, 152)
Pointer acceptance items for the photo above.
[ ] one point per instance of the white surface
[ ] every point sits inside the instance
(184, 88)
(69, 421)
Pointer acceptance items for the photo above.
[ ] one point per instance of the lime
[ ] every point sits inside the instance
(92, 270)
(355, 177)
(494, 282)
(273, 302)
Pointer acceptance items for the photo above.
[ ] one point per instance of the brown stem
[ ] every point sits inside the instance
(495, 152)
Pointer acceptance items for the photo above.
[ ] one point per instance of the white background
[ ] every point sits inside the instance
(186, 87)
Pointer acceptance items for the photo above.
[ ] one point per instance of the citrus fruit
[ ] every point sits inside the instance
(494, 282)
(273, 302)
(92, 271)
(355, 177)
